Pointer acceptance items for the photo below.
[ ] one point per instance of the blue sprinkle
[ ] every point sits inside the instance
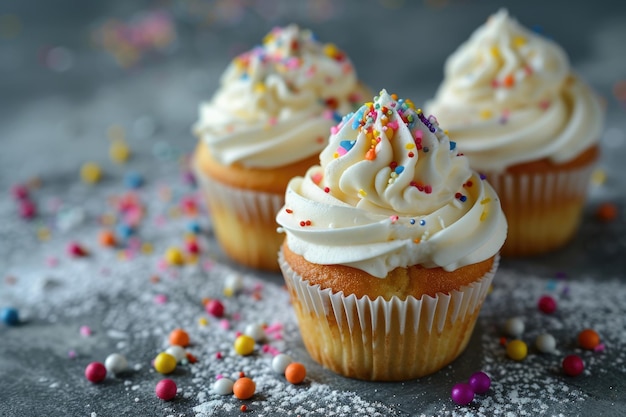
(399, 169)
(463, 198)
(123, 231)
(412, 221)
(9, 316)
(356, 122)
(194, 227)
(133, 180)
(422, 222)
(452, 145)
(483, 176)
(337, 117)
(347, 144)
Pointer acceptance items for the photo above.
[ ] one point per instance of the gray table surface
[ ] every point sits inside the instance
(60, 93)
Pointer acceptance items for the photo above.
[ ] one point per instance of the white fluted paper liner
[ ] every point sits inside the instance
(543, 209)
(244, 222)
(385, 339)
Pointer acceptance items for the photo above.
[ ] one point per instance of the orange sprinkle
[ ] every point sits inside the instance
(508, 81)
(295, 372)
(588, 339)
(244, 388)
(370, 155)
(607, 212)
(179, 337)
(107, 238)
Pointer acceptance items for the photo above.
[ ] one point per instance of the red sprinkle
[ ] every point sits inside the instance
(547, 304)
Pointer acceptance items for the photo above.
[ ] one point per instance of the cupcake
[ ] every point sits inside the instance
(267, 123)
(523, 118)
(391, 245)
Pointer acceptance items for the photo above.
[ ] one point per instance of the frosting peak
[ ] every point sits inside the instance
(509, 96)
(391, 191)
(277, 101)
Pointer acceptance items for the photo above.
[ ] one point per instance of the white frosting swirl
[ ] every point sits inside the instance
(508, 97)
(391, 191)
(276, 102)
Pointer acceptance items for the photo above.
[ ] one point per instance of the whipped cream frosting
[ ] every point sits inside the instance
(509, 96)
(391, 191)
(276, 102)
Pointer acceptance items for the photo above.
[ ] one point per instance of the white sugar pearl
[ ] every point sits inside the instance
(233, 282)
(514, 327)
(177, 351)
(255, 331)
(545, 343)
(223, 386)
(280, 363)
(115, 363)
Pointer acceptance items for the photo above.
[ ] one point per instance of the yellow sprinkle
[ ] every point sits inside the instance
(390, 133)
(331, 50)
(495, 51)
(418, 111)
(174, 256)
(174, 212)
(598, 177)
(376, 133)
(43, 233)
(483, 216)
(259, 88)
(228, 292)
(147, 248)
(519, 41)
(268, 38)
(119, 151)
(122, 255)
(369, 104)
(107, 220)
(409, 146)
(409, 103)
(90, 172)
(485, 200)
(202, 321)
(335, 155)
(362, 192)
(486, 114)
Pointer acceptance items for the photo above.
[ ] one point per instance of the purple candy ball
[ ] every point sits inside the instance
(480, 382)
(462, 394)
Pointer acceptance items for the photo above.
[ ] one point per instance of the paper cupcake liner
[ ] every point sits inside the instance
(244, 222)
(543, 210)
(386, 340)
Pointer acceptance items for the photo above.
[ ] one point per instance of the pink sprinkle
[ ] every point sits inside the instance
(225, 324)
(272, 121)
(277, 336)
(394, 218)
(160, 298)
(273, 328)
(85, 331)
(237, 334)
(27, 209)
(162, 264)
(428, 189)
(341, 151)
(600, 348)
(19, 192)
(236, 316)
(52, 261)
(328, 115)
(334, 130)
(218, 355)
(418, 135)
(71, 354)
(317, 177)
(393, 125)
(265, 348)
(207, 265)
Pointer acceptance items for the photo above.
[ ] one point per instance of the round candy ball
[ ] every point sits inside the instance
(95, 372)
(255, 331)
(164, 363)
(244, 345)
(295, 372)
(116, 363)
(588, 339)
(215, 308)
(516, 350)
(545, 343)
(244, 388)
(514, 327)
(462, 394)
(166, 389)
(176, 351)
(479, 382)
(9, 316)
(573, 365)
(280, 363)
(547, 304)
(223, 386)
(179, 337)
